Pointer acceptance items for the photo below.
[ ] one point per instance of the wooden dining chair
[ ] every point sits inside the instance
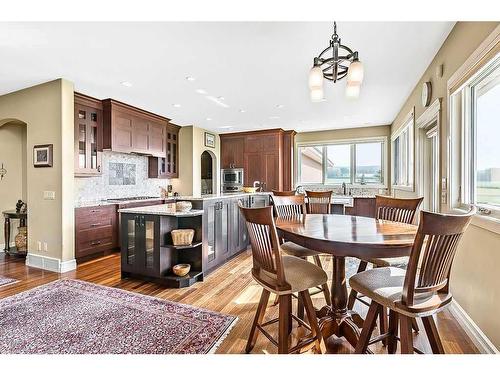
(318, 202)
(393, 209)
(289, 206)
(282, 275)
(285, 193)
(420, 291)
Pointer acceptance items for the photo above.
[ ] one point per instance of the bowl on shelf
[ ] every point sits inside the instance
(182, 237)
(181, 269)
(248, 189)
(183, 206)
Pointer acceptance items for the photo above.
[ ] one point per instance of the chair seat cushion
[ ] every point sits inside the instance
(290, 248)
(299, 273)
(385, 286)
(399, 262)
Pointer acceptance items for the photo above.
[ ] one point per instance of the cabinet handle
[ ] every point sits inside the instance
(94, 211)
(95, 243)
(95, 225)
(99, 168)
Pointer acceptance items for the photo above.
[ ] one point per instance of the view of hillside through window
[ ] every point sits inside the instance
(487, 129)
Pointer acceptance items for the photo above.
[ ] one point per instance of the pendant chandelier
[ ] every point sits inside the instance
(344, 62)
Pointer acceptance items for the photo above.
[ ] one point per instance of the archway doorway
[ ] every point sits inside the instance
(207, 175)
(13, 184)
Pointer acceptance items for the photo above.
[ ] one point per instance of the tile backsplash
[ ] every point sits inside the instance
(123, 175)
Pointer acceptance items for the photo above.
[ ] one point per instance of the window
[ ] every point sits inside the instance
(480, 100)
(360, 162)
(369, 163)
(338, 164)
(402, 155)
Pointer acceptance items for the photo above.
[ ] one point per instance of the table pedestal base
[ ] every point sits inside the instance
(340, 324)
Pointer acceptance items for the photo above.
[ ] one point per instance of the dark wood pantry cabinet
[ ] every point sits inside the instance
(265, 156)
(166, 165)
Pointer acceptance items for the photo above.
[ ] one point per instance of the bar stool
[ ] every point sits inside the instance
(283, 276)
(288, 206)
(420, 291)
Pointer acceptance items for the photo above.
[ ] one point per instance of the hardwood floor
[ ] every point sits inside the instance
(230, 290)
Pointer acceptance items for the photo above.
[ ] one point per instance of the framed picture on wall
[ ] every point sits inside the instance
(209, 140)
(42, 156)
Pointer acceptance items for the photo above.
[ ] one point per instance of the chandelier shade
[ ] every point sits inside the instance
(315, 77)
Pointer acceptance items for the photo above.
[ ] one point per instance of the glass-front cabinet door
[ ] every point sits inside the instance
(88, 139)
(140, 244)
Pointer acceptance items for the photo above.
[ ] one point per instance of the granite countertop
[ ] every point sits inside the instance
(160, 209)
(216, 196)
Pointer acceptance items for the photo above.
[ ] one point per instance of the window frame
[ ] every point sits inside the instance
(352, 142)
(466, 121)
(406, 132)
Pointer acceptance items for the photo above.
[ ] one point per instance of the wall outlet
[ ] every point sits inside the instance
(49, 195)
(45, 246)
(39, 245)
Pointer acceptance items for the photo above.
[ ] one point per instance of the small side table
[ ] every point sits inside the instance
(8, 215)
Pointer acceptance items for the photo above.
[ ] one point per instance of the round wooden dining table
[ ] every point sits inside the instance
(345, 236)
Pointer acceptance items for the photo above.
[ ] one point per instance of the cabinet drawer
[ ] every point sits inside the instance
(98, 221)
(94, 213)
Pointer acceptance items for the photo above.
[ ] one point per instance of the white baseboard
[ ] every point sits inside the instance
(50, 264)
(2, 246)
(472, 330)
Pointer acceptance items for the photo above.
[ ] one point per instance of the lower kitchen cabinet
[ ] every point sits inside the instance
(216, 230)
(224, 227)
(148, 253)
(140, 238)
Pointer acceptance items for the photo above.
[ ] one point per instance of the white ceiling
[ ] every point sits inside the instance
(254, 66)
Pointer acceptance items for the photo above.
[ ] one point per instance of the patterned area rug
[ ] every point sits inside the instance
(6, 280)
(76, 317)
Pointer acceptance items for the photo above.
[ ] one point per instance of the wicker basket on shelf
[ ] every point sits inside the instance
(182, 237)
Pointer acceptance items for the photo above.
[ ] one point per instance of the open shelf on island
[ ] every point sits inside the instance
(183, 281)
(180, 247)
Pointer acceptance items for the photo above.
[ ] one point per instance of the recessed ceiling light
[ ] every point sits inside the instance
(279, 105)
(190, 79)
(225, 127)
(176, 105)
(217, 101)
(242, 111)
(208, 119)
(201, 91)
(126, 84)
(274, 117)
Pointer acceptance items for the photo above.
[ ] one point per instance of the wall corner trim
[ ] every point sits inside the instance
(477, 336)
(50, 264)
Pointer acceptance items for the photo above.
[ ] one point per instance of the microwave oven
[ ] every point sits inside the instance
(232, 179)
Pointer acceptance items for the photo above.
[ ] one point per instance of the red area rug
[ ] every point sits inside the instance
(76, 317)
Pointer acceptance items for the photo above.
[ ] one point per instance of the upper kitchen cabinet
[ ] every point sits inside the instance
(133, 130)
(88, 135)
(166, 166)
(265, 156)
(232, 151)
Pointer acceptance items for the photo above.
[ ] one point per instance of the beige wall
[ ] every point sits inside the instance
(191, 146)
(475, 283)
(47, 110)
(340, 134)
(13, 157)
(464, 38)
